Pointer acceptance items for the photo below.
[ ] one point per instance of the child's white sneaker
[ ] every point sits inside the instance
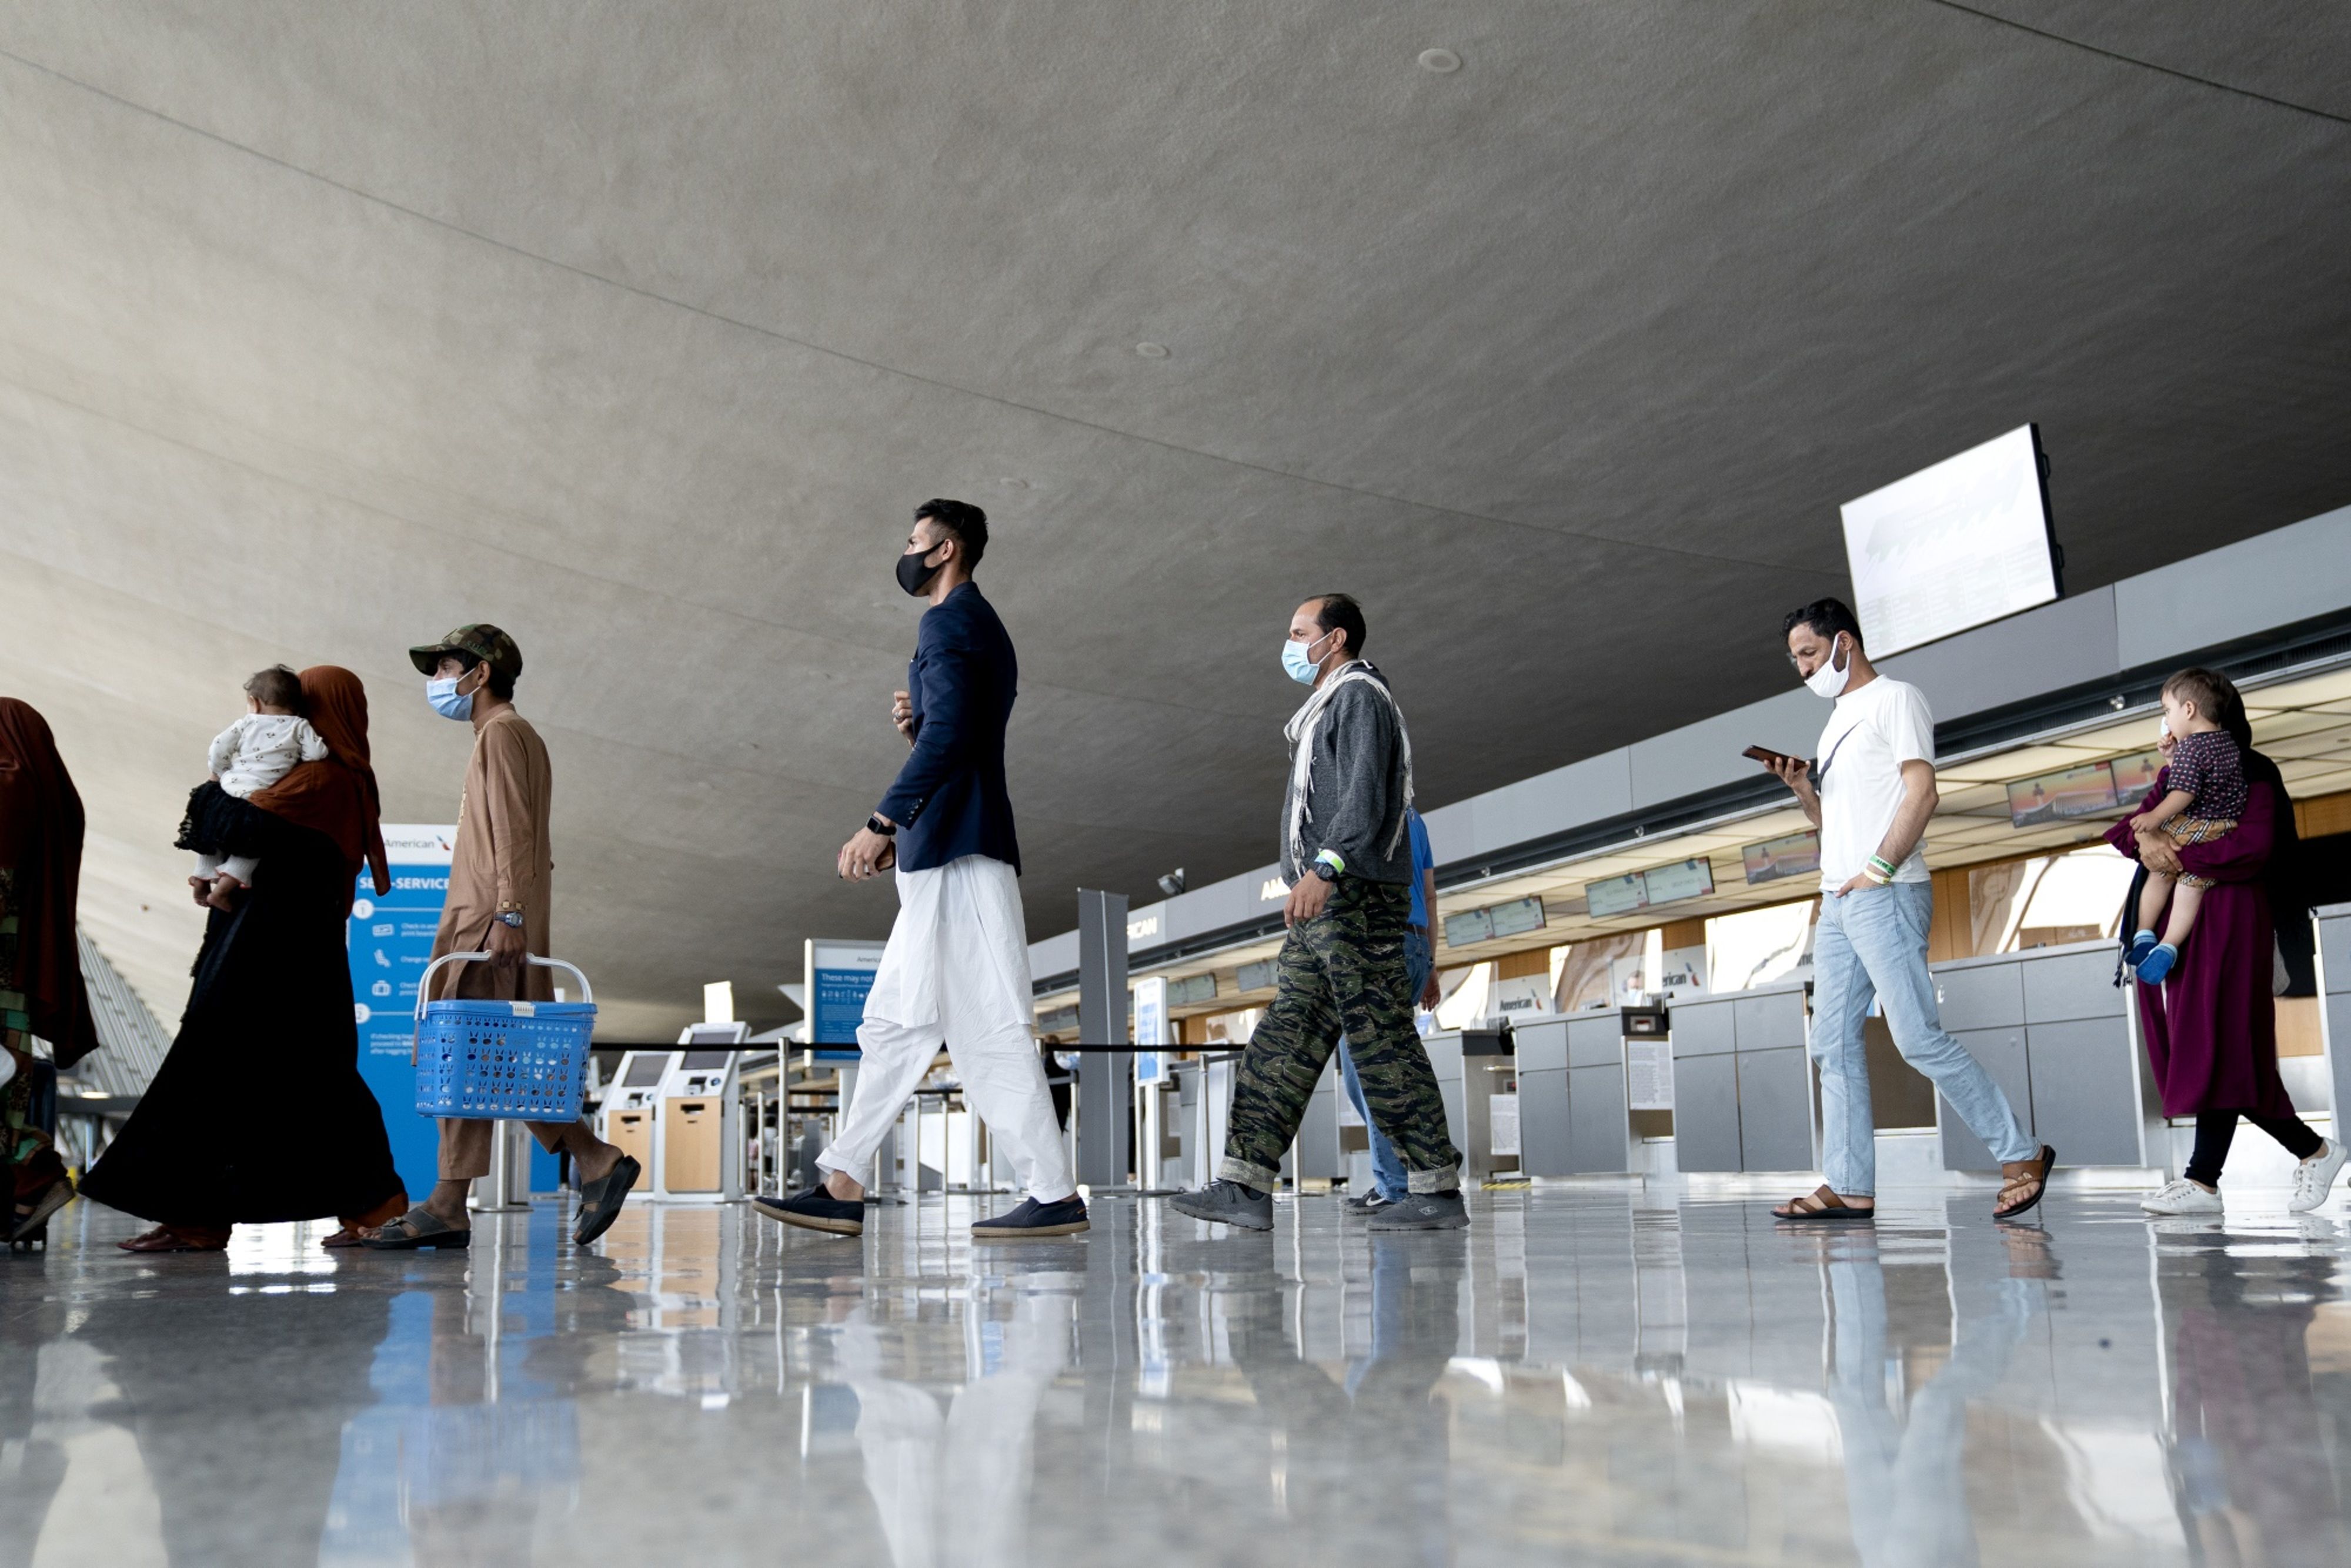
(2181, 1197)
(2314, 1177)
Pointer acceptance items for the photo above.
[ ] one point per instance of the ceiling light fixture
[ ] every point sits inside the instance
(1441, 62)
(1151, 350)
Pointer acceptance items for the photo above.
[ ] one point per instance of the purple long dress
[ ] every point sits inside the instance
(2211, 1027)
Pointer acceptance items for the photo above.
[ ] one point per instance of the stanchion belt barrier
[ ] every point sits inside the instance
(1088, 1050)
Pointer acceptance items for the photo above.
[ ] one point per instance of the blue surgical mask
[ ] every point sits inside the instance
(1297, 659)
(443, 694)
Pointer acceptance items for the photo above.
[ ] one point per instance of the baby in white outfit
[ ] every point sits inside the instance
(250, 756)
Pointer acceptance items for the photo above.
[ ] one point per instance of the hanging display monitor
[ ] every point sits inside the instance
(1517, 917)
(1683, 879)
(2134, 775)
(1468, 928)
(1618, 896)
(2084, 791)
(1798, 855)
(1961, 544)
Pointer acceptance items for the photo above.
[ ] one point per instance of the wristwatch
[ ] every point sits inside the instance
(874, 824)
(1326, 871)
(511, 917)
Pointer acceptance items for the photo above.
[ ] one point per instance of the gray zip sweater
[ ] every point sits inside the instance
(1356, 799)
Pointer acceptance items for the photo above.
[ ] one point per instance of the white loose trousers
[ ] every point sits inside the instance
(955, 974)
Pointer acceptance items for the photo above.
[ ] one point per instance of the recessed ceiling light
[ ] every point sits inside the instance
(1444, 62)
(1151, 350)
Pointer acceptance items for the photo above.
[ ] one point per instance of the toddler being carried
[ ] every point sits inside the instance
(2204, 796)
(247, 758)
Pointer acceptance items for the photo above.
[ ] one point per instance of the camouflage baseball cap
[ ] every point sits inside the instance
(484, 641)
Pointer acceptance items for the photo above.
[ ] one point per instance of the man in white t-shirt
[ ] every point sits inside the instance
(1870, 794)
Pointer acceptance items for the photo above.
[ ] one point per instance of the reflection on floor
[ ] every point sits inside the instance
(1588, 1374)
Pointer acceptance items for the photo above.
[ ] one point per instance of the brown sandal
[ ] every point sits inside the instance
(2033, 1172)
(164, 1238)
(1825, 1206)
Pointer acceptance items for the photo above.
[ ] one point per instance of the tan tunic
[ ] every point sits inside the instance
(501, 860)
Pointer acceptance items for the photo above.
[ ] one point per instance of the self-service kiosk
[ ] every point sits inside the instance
(679, 1115)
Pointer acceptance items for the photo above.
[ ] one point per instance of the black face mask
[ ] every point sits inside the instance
(913, 575)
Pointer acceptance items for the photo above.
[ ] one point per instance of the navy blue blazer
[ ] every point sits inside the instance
(950, 799)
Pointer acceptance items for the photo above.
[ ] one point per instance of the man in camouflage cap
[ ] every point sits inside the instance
(500, 897)
(478, 644)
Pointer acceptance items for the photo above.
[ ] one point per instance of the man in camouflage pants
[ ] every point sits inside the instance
(1348, 859)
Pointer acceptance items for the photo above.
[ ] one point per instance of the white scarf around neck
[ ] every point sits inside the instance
(1300, 733)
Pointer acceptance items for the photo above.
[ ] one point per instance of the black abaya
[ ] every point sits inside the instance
(259, 1114)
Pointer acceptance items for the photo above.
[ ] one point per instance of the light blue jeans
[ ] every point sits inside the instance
(1388, 1175)
(1872, 943)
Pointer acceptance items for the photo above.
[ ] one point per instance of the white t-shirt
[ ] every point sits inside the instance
(1872, 733)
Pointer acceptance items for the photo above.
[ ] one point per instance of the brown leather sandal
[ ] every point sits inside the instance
(2014, 1177)
(167, 1238)
(1825, 1205)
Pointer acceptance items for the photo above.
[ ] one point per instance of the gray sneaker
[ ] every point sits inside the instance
(1422, 1211)
(1369, 1202)
(1226, 1203)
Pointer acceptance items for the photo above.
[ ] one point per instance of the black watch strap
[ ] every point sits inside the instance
(874, 824)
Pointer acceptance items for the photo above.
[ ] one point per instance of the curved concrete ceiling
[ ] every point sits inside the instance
(641, 330)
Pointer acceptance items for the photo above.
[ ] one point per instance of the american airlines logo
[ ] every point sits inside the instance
(1271, 889)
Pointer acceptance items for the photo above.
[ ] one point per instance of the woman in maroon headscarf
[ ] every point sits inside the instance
(2210, 1027)
(41, 988)
(259, 1114)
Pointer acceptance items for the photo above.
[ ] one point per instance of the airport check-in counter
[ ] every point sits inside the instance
(1314, 1154)
(2057, 1035)
(1743, 1082)
(1463, 1061)
(1203, 1098)
(2335, 1005)
(1574, 1109)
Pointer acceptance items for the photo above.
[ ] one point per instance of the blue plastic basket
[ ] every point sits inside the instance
(502, 1061)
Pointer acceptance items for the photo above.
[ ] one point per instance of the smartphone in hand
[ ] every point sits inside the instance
(1766, 755)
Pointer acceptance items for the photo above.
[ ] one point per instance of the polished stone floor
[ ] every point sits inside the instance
(1589, 1374)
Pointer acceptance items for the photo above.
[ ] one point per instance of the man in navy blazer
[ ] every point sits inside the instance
(955, 971)
(950, 798)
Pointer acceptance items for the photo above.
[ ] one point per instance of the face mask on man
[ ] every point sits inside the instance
(1298, 660)
(913, 575)
(441, 692)
(1828, 680)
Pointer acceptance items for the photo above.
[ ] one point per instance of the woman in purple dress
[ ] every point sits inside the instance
(2211, 1025)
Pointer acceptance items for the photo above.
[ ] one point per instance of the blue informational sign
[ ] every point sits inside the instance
(1150, 1003)
(838, 975)
(391, 940)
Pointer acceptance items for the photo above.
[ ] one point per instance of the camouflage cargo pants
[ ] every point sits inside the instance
(1342, 971)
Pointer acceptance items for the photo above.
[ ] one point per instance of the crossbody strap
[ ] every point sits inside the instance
(1820, 768)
